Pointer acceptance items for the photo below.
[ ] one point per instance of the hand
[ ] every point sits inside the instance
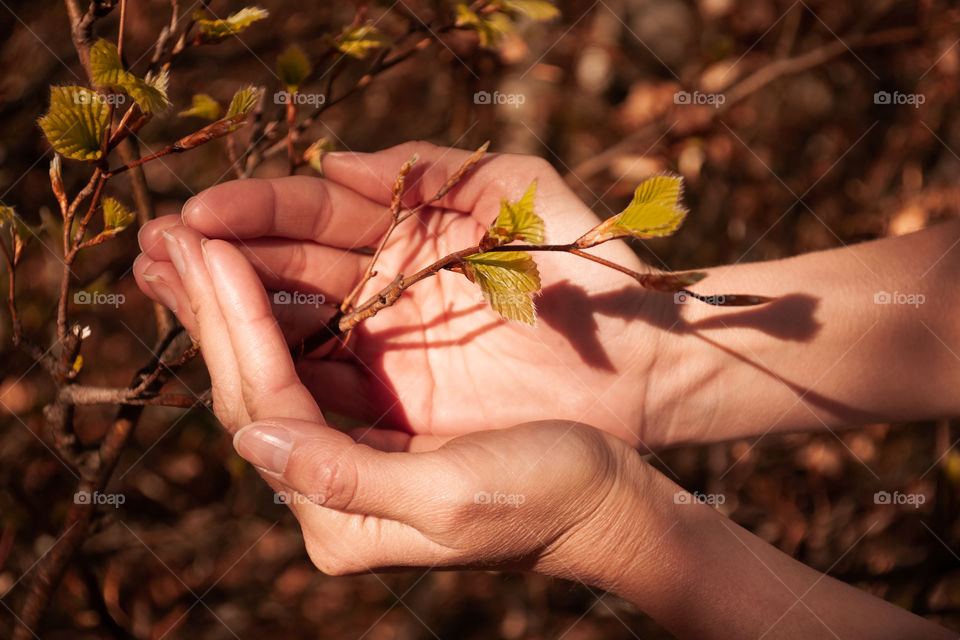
(533, 496)
(439, 361)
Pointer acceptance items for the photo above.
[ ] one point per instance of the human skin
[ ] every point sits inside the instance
(555, 497)
(822, 355)
(628, 361)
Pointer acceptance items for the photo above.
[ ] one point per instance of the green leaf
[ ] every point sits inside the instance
(76, 122)
(655, 211)
(314, 153)
(492, 27)
(106, 69)
(203, 106)
(517, 221)
(534, 9)
(293, 67)
(232, 25)
(243, 102)
(359, 40)
(116, 217)
(507, 279)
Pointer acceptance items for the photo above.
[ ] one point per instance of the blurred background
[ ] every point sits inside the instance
(797, 125)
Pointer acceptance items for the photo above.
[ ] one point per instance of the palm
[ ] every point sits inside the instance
(439, 361)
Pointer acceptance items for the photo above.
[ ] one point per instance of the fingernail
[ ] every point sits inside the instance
(140, 238)
(162, 291)
(186, 206)
(176, 253)
(264, 445)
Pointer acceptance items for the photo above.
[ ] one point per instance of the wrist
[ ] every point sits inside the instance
(617, 548)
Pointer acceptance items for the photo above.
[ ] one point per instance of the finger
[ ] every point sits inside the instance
(161, 282)
(283, 265)
(183, 246)
(295, 207)
(270, 383)
(344, 475)
(150, 236)
(496, 177)
(299, 315)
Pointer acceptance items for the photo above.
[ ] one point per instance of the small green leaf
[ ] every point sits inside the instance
(314, 153)
(203, 106)
(534, 9)
(76, 122)
(359, 40)
(517, 221)
(293, 67)
(243, 102)
(116, 217)
(655, 211)
(508, 280)
(106, 69)
(232, 25)
(492, 28)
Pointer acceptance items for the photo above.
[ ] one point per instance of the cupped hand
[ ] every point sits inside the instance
(534, 496)
(439, 361)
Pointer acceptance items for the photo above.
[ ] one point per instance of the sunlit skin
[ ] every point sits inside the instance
(591, 509)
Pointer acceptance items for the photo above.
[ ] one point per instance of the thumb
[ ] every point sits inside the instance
(334, 471)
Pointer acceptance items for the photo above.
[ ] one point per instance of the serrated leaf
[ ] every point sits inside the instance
(293, 67)
(517, 220)
(359, 40)
(314, 153)
(533, 9)
(492, 27)
(232, 25)
(203, 106)
(106, 69)
(655, 211)
(116, 217)
(243, 102)
(508, 280)
(76, 122)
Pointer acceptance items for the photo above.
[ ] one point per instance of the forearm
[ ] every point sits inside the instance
(702, 576)
(825, 353)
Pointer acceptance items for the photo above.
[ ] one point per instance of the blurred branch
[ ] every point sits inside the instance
(95, 474)
(736, 94)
